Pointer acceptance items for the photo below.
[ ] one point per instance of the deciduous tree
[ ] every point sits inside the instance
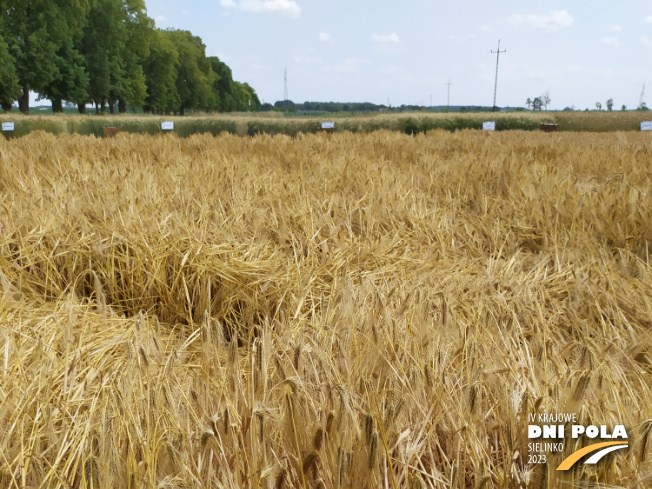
(545, 100)
(537, 103)
(194, 74)
(160, 68)
(35, 31)
(9, 88)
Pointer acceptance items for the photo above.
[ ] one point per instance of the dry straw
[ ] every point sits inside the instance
(352, 311)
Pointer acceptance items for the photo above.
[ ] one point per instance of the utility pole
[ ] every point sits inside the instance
(496, 82)
(285, 90)
(448, 98)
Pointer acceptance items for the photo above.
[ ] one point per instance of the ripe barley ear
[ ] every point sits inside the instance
(373, 450)
(318, 439)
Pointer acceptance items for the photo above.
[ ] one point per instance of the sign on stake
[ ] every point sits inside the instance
(167, 126)
(110, 132)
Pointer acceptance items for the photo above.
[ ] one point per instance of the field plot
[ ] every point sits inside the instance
(371, 310)
(292, 124)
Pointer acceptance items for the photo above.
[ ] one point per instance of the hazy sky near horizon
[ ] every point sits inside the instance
(405, 52)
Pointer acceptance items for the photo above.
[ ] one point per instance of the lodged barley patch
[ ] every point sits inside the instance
(350, 311)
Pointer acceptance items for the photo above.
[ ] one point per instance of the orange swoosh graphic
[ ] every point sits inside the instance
(575, 456)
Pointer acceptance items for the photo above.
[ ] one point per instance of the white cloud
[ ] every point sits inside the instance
(161, 19)
(611, 41)
(386, 39)
(324, 37)
(304, 59)
(287, 8)
(391, 70)
(574, 68)
(616, 28)
(554, 21)
(648, 19)
(646, 41)
(457, 38)
(350, 65)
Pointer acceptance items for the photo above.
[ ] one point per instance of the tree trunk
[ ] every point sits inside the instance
(6, 107)
(81, 108)
(57, 106)
(122, 107)
(103, 107)
(23, 101)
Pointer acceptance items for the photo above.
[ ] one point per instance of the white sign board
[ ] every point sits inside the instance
(167, 126)
(7, 126)
(328, 125)
(646, 126)
(489, 126)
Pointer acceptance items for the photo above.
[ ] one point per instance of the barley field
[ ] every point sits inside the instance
(324, 311)
(293, 124)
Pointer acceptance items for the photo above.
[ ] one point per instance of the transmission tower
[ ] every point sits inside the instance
(448, 98)
(496, 81)
(640, 100)
(285, 89)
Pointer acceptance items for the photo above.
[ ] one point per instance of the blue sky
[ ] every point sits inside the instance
(580, 51)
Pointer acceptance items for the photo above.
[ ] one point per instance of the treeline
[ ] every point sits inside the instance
(326, 106)
(310, 107)
(109, 53)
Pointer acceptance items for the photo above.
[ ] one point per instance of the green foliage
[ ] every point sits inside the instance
(244, 98)
(35, 30)
(9, 88)
(222, 85)
(135, 50)
(335, 106)
(108, 52)
(410, 126)
(537, 103)
(188, 126)
(160, 69)
(290, 128)
(194, 73)
(413, 125)
(275, 123)
(100, 46)
(70, 81)
(228, 94)
(116, 42)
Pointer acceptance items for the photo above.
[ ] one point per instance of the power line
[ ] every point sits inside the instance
(285, 89)
(496, 81)
(448, 97)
